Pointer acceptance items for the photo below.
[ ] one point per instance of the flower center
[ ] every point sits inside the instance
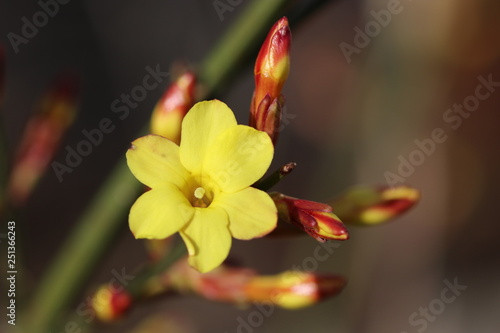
(201, 197)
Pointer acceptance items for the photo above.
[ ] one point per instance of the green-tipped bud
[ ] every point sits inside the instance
(110, 303)
(170, 110)
(42, 136)
(372, 205)
(270, 73)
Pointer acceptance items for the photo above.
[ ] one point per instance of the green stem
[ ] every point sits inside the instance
(4, 167)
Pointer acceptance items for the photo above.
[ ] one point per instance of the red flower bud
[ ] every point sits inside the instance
(270, 73)
(294, 289)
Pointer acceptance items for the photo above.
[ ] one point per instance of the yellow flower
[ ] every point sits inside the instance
(201, 188)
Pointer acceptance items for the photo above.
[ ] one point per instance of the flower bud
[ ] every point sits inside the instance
(157, 248)
(170, 321)
(42, 136)
(270, 73)
(294, 289)
(224, 283)
(110, 303)
(170, 110)
(371, 206)
(317, 219)
(239, 285)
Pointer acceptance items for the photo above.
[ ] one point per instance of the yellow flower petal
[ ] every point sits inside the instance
(207, 238)
(159, 213)
(154, 161)
(252, 213)
(201, 126)
(241, 155)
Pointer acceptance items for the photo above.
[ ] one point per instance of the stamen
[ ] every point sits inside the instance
(199, 192)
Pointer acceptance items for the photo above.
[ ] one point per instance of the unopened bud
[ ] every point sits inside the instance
(42, 136)
(110, 303)
(2, 74)
(170, 110)
(157, 248)
(270, 73)
(372, 206)
(165, 321)
(317, 219)
(241, 286)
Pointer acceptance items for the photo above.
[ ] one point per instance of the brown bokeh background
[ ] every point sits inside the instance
(348, 124)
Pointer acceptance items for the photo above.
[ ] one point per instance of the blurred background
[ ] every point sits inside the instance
(364, 88)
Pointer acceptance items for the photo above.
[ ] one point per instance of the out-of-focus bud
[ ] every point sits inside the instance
(110, 303)
(372, 206)
(157, 248)
(317, 219)
(42, 136)
(167, 116)
(294, 289)
(242, 286)
(270, 73)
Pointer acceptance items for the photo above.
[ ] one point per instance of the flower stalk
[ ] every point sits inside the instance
(168, 113)
(42, 137)
(202, 188)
